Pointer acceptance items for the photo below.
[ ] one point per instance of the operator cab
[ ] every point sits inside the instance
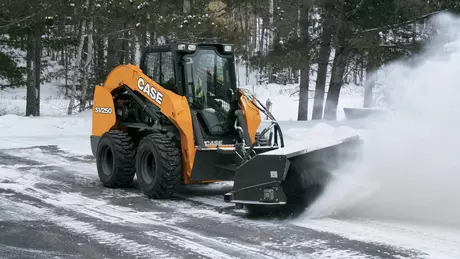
(205, 74)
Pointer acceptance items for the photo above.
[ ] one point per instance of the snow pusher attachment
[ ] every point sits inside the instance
(289, 179)
(179, 119)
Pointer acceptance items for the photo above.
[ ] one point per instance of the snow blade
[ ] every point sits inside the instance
(287, 175)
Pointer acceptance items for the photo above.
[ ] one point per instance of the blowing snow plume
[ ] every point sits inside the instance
(410, 166)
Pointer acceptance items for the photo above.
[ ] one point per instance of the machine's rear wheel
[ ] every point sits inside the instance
(115, 159)
(158, 165)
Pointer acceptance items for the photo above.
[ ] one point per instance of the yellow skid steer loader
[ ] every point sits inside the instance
(180, 119)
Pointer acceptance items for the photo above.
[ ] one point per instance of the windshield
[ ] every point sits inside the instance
(209, 79)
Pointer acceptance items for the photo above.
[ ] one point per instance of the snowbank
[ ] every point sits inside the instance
(68, 132)
(52, 103)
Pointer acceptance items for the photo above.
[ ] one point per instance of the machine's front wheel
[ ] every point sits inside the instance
(115, 159)
(158, 165)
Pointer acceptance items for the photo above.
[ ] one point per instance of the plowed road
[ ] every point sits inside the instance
(52, 205)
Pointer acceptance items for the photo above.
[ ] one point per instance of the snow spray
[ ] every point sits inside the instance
(410, 166)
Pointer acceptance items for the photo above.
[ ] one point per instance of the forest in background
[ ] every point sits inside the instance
(304, 42)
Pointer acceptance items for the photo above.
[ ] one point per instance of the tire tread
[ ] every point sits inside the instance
(124, 154)
(169, 161)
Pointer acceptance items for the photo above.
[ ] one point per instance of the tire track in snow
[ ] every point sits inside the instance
(188, 245)
(78, 205)
(116, 241)
(101, 210)
(121, 215)
(231, 248)
(113, 240)
(321, 244)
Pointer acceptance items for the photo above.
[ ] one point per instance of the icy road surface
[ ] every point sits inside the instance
(52, 205)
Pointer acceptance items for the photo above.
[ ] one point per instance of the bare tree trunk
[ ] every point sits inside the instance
(37, 69)
(276, 35)
(34, 54)
(87, 67)
(303, 94)
(66, 69)
(142, 35)
(248, 40)
(370, 82)
(111, 52)
(305, 71)
(370, 77)
(187, 6)
(113, 44)
(296, 76)
(135, 49)
(124, 54)
(76, 67)
(30, 66)
(100, 59)
(323, 62)
(342, 51)
(153, 38)
(338, 70)
(262, 33)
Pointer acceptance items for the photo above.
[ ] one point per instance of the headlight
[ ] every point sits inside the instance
(192, 47)
(228, 48)
(181, 47)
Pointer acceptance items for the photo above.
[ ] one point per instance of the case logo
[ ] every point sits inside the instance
(149, 90)
(213, 143)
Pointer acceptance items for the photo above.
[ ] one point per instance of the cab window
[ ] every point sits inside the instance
(167, 79)
(159, 66)
(152, 66)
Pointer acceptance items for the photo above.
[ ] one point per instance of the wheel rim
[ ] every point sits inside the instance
(107, 160)
(148, 167)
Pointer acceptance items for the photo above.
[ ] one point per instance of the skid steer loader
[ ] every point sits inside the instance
(180, 119)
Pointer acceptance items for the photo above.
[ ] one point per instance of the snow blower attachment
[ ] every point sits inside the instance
(180, 119)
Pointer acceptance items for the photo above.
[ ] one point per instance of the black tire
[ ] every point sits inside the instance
(158, 165)
(115, 159)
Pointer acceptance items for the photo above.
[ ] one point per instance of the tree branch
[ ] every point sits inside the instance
(18, 21)
(405, 22)
(356, 9)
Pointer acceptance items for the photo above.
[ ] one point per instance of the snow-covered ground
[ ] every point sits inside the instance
(52, 102)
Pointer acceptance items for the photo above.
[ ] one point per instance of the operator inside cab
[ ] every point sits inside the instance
(203, 85)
